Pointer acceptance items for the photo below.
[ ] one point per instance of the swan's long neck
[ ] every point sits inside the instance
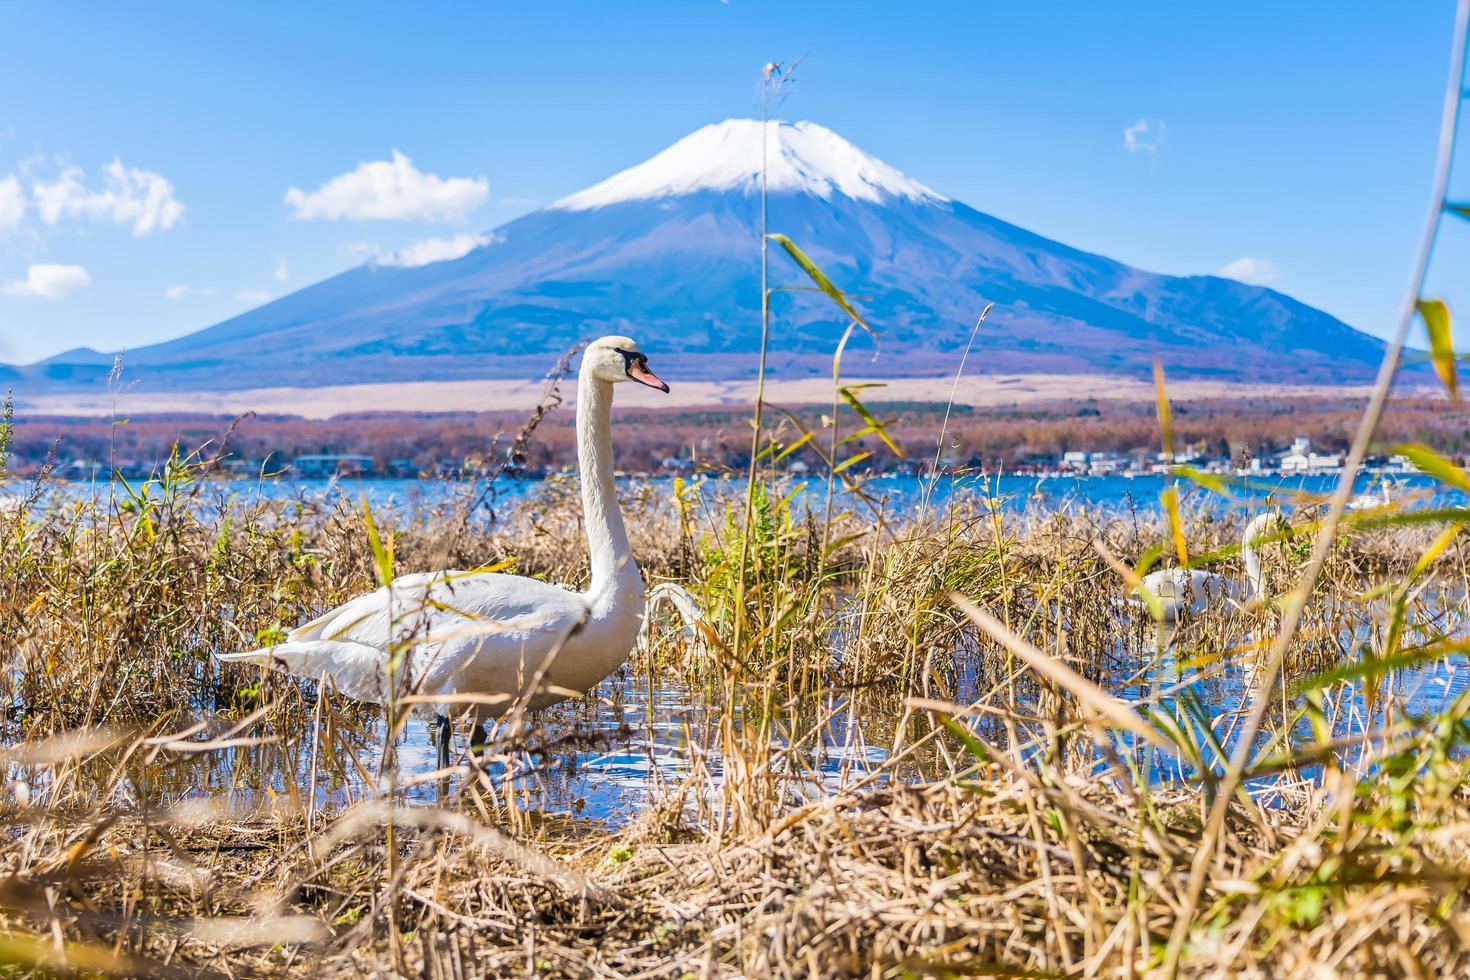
(1255, 576)
(613, 569)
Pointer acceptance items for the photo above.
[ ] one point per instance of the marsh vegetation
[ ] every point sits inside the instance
(1036, 758)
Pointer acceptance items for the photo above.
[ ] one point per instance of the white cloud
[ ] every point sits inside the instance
(141, 198)
(12, 203)
(253, 296)
(1256, 272)
(433, 250)
(390, 190)
(46, 281)
(1146, 135)
(283, 270)
(181, 291)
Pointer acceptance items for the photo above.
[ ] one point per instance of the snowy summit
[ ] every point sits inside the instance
(726, 157)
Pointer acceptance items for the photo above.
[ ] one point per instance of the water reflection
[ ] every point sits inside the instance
(604, 757)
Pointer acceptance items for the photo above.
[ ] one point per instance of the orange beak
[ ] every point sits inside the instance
(639, 372)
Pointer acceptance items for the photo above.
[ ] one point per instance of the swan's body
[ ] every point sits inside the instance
(484, 641)
(1192, 591)
(1371, 501)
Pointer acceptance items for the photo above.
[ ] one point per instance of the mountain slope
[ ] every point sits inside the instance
(668, 252)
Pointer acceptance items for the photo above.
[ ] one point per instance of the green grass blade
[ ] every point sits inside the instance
(1441, 346)
(820, 278)
(1437, 466)
(879, 428)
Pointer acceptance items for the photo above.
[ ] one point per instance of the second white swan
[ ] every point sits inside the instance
(1192, 591)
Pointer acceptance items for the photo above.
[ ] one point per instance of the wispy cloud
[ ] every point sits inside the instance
(1256, 272)
(433, 250)
(1144, 136)
(253, 296)
(392, 190)
(47, 281)
(283, 270)
(12, 203)
(181, 291)
(128, 196)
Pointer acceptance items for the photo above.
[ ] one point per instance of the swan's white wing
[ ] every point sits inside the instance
(492, 634)
(465, 631)
(442, 606)
(1181, 589)
(336, 623)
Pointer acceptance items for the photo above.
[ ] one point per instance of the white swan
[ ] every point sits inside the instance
(1191, 591)
(1371, 501)
(483, 641)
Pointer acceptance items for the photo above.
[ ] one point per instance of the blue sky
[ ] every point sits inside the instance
(147, 153)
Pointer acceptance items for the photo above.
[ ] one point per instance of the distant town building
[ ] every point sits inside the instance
(1310, 462)
(1302, 458)
(1189, 454)
(1076, 460)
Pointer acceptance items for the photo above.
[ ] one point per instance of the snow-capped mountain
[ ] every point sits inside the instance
(802, 158)
(667, 252)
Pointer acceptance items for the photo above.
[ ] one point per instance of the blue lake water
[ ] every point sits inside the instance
(896, 495)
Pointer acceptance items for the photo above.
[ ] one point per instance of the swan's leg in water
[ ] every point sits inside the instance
(442, 733)
(481, 736)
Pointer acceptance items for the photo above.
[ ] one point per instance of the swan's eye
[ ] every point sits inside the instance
(632, 358)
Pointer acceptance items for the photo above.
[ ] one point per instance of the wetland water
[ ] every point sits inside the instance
(640, 736)
(901, 493)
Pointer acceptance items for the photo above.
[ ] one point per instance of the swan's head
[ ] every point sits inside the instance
(615, 359)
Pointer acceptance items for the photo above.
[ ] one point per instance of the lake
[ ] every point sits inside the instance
(899, 495)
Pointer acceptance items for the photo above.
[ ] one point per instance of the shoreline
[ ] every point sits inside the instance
(286, 477)
(978, 391)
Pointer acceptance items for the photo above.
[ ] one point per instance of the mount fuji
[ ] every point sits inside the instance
(667, 251)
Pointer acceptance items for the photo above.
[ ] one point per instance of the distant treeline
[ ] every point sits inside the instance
(404, 443)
